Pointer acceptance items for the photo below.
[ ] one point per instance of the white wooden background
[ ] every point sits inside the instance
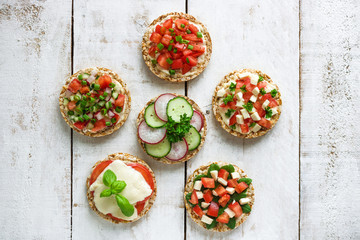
(306, 171)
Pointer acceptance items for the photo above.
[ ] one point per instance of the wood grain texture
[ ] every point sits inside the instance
(330, 142)
(259, 35)
(110, 35)
(35, 141)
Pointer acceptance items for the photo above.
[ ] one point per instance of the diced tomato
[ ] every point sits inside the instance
(273, 104)
(192, 37)
(262, 84)
(179, 22)
(224, 200)
(192, 60)
(248, 120)
(197, 54)
(177, 64)
(179, 46)
(199, 48)
(193, 28)
(267, 96)
(250, 87)
(81, 125)
(247, 96)
(162, 61)
(194, 198)
(166, 40)
(177, 55)
(213, 209)
(71, 105)
(198, 211)
(74, 86)
(259, 109)
(220, 190)
(163, 30)
(168, 23)
(232, 105)
(264, 123)
(236, 208)
(241, 187)
(232, 120)
(187, 52)
(152, 51)
(84, 90)
(155, 37)
(232, 182)
(186, 68)
(104, 81)
(179, 33)
(158, 29)
(244, 128)
(208, 197)
(99, 125)
(223, 174)
(239, 84)
(223, 218)
(119, 102)
(98, 170)
(208, 182)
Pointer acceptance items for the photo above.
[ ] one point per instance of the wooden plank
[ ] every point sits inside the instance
(35, 140)
(262, 35)
(330, 143)
(110, 35)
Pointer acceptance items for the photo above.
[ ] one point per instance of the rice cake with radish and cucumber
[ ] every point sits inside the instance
(247, 103)
(176, 47)
(171, 128)
(95, 102)
(219, 196)
(121, 188)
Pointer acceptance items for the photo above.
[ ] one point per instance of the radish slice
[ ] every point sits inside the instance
(178, 150)
(197, 120)
(161, 104)
(151, 135)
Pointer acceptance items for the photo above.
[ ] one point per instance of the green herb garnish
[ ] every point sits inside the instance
(231, 224)
(191, 47)
(153, 61)
(176, 131)
(229, 112)
(213, 167)
(248, 106)
(230, 168)
(252, 124)
(199, 35)
(232, 87)
(262, 91)
(169, 61)
(268, 112)
(260, 79)
(228, 98)
(233, 126)
(243, 88)
(273, 92)
(246, 208)
(212, 225)
(246, 180)
(188, 31)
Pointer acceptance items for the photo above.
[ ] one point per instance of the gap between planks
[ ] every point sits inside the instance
(71, 131)
(299, 220)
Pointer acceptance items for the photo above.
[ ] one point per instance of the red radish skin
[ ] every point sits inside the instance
(197, 121)
(177, 147)
(161, 104)
(150, 135)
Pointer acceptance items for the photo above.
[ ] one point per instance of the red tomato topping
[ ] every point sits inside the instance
(198, 211)
(98, 170)
(247, 96)
(155, 37)
(168, 23)
(140, 205)
(84, 90)
(262, 84)
(104, 81)
(236, 208)
(220, 190)
(119, 102)
(187, 52)
(99, 125)
(162, 61)
(74, 86)
(259, 109)
(81, 125)
(232, 182)
(208, 197)
(180, 22)
(213, 209)
(166, 40)
(241, 187)
(208, 182)
(186, 68)
(224, 200)
(264, 123)
(158, 29)
(71, 105)
(273, 104)
(192, 60)
(194, 198)
(244, 128)
(232, 120)
(177, 64)
(223, 218)
(179, 46)
(192, 37)
(193, 28)
(152, 51)
(223, 174)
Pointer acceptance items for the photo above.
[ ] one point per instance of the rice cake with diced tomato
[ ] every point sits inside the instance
(176, 47)
(219, 196)
(247, 103)
(95, 102)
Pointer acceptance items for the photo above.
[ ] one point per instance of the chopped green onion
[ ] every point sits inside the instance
(172, 72)
(118, 109)
(199, 35)
(186, 41)
(182, 25)
(169, 61)
(83, 104)
(104, 111)
(191, 47)
(83, 76)
(81, 119)
(78, 110)
(160, 46)
(108, 105)
(93, 120)
(94, 109)
(86, 117)
(105, 94)
(101, 97)
(113, 120)
(77, 97)
(112, 85)
(175, 50)
(170, 47)
(156, 51)
(92, 99)
(153, 61)
(97, 77)
(171, 29)
(187, 60)
(172, 41)
(96, 87)
(108, 123)
(83, 82)
(173, 34)
(89, 94)
(179, 39)
(115, 95)
(70, 113)
(101, 103)
(188, 31)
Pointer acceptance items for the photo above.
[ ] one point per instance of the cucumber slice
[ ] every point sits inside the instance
(159, 150)
(177, 107)
(151, 119)
(193, 138)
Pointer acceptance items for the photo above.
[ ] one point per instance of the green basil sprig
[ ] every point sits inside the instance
(230, 168)
(231, 224)
(115, 187)
(246, 208)
(246, 180)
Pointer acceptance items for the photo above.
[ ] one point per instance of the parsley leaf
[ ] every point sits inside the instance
(233, 126)
(268, 112)
(176, 131)
(228, 98)
(260, 79)
(248, 106)
(252, 124)
(243, 88)
(273, 92)
(229, 112)
(262, 91)
(232, 87)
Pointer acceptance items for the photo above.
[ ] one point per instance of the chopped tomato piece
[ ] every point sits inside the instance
(71, 105)
(177, 64)
(192, 37)
(155, 37)
(232, 105)
(119, 102)
(98, 170)
(236, 208)
(74, 86)
(168, 23)
(117, 117)
(232, 182)
(248, 120)
(208, 182)
(152, 51)
(81, 125)
(104, 81)
(166, 40)
(186, 68)
(194, 198)
(162, 61)
(179, 46)
(193, 28)
(158, 29)
(264, 123)
(198, 47)
(223, 218)
(267, 96)
(181, 24)
(232, 120)
(259, 109)
(192, 61)
(140, 206)
(187, 52)
(241, 187)
(220, 190)
(99, 125)
(224, 200)
(198, 211)
(84, 90)
(162, 30)
(262, 84)
(223, 174)
(197, 54)
(244, 128)
(247, 96)
(208, 197)
(273, 104)
(213, 209)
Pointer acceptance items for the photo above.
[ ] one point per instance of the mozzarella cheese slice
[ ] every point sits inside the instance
(235, 175)
(230, 212)
(239, 119)
(265, 104)
(214, 174)
(256, 128)
(244, 201)
(245, 113)
(221, 92)
(222, 181)
(255, 116)
(204, 204)
(197, 185)
(206, 219)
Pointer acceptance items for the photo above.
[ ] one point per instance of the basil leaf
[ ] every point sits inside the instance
(109, 177)
(236, 196)
(188, 197)
(118, 186)
(222, 209)
(231, 224)
(126, 208)
(106, 193)
(213, 167)
(246, 180)
(213, 224)
(246, 208)
(230, 168)
(198, 177)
